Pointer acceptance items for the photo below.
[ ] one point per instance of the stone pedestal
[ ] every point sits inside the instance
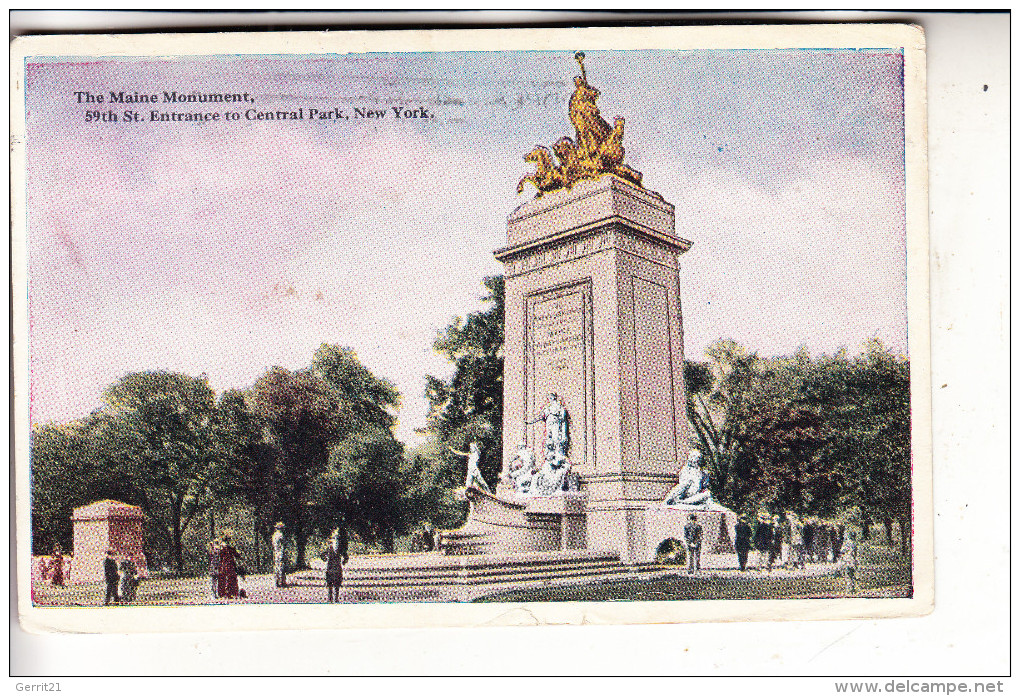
(104, 525)
(718, 531)
(593, 315)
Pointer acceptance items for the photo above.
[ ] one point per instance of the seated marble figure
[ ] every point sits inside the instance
(520, 471)
(692, 489)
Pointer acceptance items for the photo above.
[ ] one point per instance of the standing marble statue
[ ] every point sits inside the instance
(552, 477)
(474, 474)
(692, 488)
(557, 437)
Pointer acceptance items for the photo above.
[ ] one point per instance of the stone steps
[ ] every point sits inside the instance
(433, 570)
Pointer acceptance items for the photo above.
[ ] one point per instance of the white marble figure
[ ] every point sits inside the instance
(521, 470)
(474, 474)
(692, 489)
(551, 478)
(556, 436)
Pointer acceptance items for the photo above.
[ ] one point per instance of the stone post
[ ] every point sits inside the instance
(106, 524)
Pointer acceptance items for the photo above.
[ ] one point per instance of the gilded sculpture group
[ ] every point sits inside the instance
(596, 149)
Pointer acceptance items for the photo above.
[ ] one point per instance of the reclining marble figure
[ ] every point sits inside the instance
(692, 489)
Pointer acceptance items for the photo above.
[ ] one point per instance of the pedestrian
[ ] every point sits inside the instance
(112, 578)
(742, 541)
(279, 557)
(336, 556)
(796, 541)
(848, 563)
(838, 537)
(809, 539)
(692, 537)
(214, 567)
(57, 567)
(762, 542)
(822, 542)
(776, 548)
(128, 579)
(228, 567)
(428, 539)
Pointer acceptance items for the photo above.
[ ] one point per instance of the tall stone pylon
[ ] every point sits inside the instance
(593, 315)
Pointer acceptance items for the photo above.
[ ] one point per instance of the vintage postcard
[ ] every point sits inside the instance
(432, 328)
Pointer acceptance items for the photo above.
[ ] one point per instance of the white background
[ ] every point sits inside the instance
(967, 634)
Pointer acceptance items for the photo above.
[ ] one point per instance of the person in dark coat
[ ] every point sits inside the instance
(742, 541)
(57, 567)
(228, 568)
(809, 540)
(112, 576)
(763, 542)
(336, 556)
(692, 539)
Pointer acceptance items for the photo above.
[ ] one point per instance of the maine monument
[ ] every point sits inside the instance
(594, 416)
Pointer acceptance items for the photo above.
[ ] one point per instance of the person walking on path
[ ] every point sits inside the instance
(762, 542)
(112, 578)
(214, 567)
(692, 537)
(279, 559)
(228, 568)
(57, 567)
(776, 547)
(796, 541)
(822, 543)
(742, 541)
(809, 540)
(336, 556)
(848, 563)
(127, 578)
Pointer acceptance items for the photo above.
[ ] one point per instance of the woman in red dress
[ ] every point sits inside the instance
(228, 568)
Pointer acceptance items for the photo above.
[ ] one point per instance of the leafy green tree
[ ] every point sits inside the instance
(74, 464)
(469, 405)
(164, 447)
(304, 418)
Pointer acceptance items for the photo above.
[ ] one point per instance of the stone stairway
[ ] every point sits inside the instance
(437, 570)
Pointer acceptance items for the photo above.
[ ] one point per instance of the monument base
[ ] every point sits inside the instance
(502, 525)
(718, 531)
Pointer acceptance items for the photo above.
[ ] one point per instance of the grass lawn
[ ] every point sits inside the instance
(882, 573)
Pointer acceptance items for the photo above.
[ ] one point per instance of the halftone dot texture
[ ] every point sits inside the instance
(229, 247)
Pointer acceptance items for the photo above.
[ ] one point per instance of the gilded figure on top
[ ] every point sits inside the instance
(596, 149)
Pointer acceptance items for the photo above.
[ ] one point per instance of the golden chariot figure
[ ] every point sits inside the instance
(596, 149)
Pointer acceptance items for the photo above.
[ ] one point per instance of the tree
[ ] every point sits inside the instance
(164, 447)
(74, 464)
(327, 449)
(469, 405)
(717, 392)
(304, 418)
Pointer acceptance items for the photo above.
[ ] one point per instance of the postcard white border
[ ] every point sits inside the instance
(265, 617)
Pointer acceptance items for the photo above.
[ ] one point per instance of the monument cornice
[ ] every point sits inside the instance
(676, 245)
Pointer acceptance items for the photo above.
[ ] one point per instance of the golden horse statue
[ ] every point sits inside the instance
(597, 148)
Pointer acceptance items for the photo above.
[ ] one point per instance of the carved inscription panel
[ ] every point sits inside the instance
(653, 368)
(558, 361)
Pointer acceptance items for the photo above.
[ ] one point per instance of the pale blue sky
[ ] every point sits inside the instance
(172, 247)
